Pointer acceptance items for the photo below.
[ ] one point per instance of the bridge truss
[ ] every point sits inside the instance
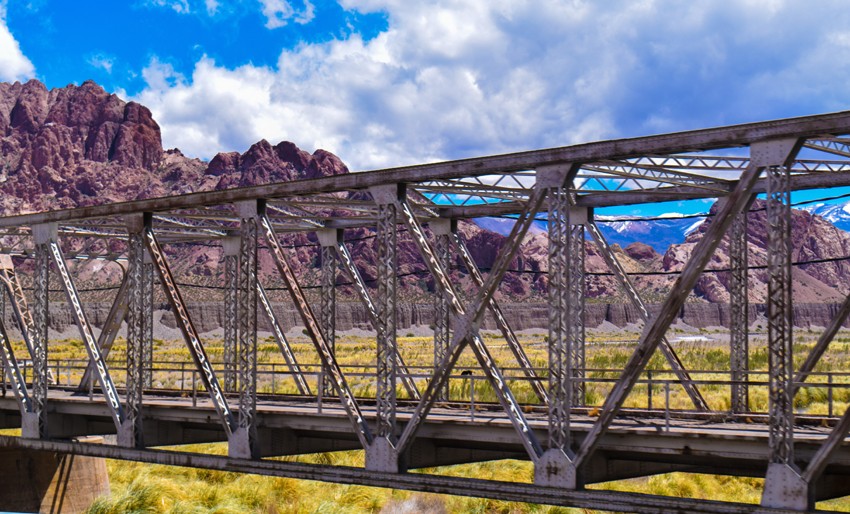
(570, 445)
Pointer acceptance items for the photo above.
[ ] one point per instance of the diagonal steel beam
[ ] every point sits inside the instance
(329, 363)
(13, 372)
(111, 326)
(654, 332)
(821, 346)
(501, 322)
(190, 334)
(283, 343)
(634, 297)
(19, 300)
(110, 393)
(833, 442)
(465, 333)
(360, 288)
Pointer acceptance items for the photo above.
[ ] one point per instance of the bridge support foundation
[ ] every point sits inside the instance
(41, 481)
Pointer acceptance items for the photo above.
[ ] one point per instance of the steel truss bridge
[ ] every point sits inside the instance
(410, 422)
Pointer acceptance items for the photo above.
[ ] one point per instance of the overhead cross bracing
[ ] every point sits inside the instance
(395, 426)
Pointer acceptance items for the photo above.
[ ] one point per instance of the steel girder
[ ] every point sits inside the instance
(575, 313)
(779, 314)
(560, 326)
(190, 334)
(466, 328)
(653, 332)
(18, 300)
(12, 372)
(137, 312)
(634, 297)
(111, 326)
(329, 363)
(385, 387)
(347, 264)
(231, 247)
(504, 327)
(739, 315)
(327, 305)
(110, 393)
(442, 312)
(37, 425)
(283, 343)
(244, 442)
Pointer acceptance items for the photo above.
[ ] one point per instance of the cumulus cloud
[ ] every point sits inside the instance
(452, 79)
(102, 61)
(279, 12)
(14, 65)
(179, 6)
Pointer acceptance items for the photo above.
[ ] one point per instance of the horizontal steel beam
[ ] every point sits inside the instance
(680, 142)
(505, 491)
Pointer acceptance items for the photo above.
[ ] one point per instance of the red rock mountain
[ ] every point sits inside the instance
(80, 146)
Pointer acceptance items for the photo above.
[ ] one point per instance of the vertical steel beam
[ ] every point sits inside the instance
(631, 293)
(466, 330)
(243, 443)
(147, 326)
(111, 326)
(282, 343)
(442, 230)
(654, 332)
(385, 401)
(35, 427)
(739, 314)
(783, 485)
(576, 295)
(327, 305)
(560, 374)
(190, 334)
(556, 468)
(779, 322)
(133, 433)
(347, 264)
(329, 363)
(110, 393)
(231, 246)
(506, 330)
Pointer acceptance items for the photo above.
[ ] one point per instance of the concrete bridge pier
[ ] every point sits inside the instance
(49, 482)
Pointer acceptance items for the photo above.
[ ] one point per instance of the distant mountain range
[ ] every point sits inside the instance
(658, 232)
(837, 214)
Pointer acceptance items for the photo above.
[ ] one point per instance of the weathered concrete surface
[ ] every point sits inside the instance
(51, 483)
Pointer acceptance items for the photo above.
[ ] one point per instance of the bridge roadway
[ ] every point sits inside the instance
(639, 443)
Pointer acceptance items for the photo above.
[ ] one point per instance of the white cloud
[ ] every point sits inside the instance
(212, 6)
(451, 79)
(279, 12)
(102, 61)
(179, 6)
(14, 65)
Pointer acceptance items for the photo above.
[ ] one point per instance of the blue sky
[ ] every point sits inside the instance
(392, 82)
